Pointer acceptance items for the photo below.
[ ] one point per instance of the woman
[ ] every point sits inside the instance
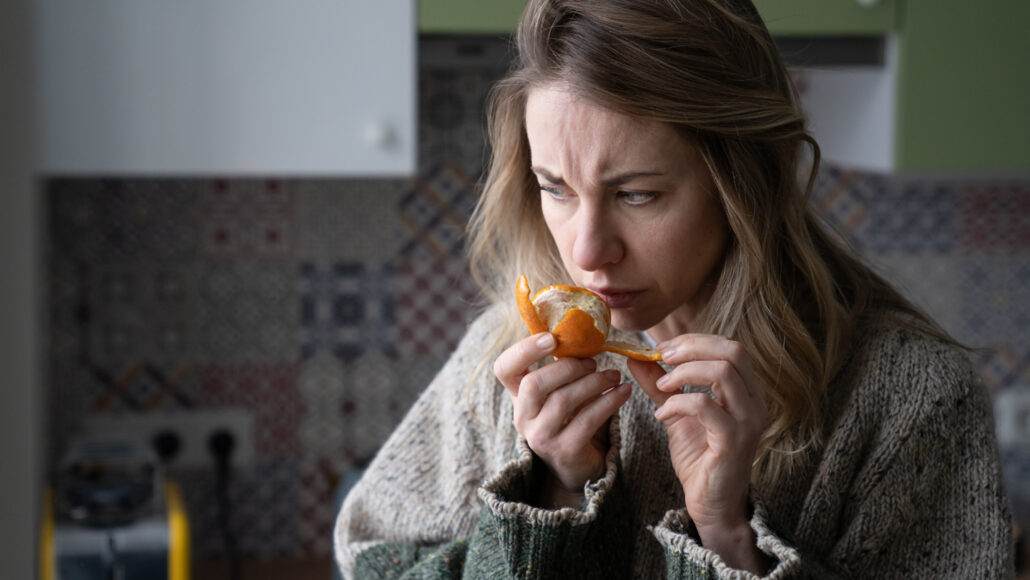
(649, 150)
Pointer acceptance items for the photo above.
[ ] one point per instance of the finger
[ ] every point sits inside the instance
(592, 416)
(647, 374)
(564, 402)
(717, 423)
(722, 376)
(695, 347)
(513, 364)
(537, 386)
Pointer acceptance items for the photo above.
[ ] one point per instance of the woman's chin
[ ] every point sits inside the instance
(629, 321)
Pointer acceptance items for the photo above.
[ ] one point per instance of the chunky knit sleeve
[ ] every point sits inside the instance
(591, 541)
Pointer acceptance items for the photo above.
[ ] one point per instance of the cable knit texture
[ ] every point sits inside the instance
(907, 484)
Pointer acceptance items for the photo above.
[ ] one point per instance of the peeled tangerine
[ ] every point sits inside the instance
(579, 320)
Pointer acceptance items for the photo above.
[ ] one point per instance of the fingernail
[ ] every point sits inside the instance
(658, 413)
(662, 381)
(546, 341)
(589, 364)
(667, 353)
(612, 375)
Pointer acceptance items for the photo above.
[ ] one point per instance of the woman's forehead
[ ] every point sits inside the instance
(565, 130)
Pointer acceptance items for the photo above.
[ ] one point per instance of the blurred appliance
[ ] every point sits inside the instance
(111, 515)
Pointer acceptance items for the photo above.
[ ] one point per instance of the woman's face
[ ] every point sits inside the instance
(631, 207)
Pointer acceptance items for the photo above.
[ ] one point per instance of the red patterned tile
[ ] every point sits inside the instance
(995, 217)
(246, 218)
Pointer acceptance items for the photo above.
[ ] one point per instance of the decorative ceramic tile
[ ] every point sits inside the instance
(246, 219)
(104, 219)
(320, 384)
(347, 310)
(1004, 367)
(995, 302)
(269, 390)
(436, 299)
(247, 311)
(436, 210)
(454, 78)
(69, 312)
(369, 409)
(316, 513)
(838, 199)
(142, 310)
(912, 216)
(262, 510)
(349, 220)
(994, 217)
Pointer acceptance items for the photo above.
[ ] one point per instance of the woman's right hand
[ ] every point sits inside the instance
(562, 409)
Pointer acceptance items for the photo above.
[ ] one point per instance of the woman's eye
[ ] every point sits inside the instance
(636, 197)
(554, 192)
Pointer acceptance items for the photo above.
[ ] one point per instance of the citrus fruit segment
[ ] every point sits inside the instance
(579, 319)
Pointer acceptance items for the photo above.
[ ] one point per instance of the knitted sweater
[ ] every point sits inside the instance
(907, 484)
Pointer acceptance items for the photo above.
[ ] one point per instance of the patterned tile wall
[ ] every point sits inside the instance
(324, 306)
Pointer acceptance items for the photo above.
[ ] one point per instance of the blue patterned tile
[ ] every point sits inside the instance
(347, 310)
(913, 216)
(436, 210)
(995, 305)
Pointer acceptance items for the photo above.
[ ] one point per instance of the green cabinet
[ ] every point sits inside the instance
(797, 17)
(469, 16)
(828, 17)
(963, 100)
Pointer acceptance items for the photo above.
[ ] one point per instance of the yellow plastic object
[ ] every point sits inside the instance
(178, 534)
(46, 537)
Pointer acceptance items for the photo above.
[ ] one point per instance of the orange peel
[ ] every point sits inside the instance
(579, 319)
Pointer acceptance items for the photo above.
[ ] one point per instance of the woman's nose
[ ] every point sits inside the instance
(597, 242)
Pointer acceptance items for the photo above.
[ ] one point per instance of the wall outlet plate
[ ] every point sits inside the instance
(194, 429)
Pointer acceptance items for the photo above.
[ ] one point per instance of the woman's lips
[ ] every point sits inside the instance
(618, 298)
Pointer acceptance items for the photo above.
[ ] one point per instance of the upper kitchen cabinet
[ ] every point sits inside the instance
(787, 17)
(828, 17)
(469, 16)
(232, 87)
(964, 86)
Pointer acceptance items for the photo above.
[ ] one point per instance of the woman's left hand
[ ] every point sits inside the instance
(712, 440)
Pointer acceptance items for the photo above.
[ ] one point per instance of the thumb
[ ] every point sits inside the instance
(647, 374)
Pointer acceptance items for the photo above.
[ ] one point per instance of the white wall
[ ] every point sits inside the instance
(20, 385)
(851, 112)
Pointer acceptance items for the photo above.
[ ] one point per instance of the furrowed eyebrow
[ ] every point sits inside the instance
(547, 175)
(629, 176)
(612, 181)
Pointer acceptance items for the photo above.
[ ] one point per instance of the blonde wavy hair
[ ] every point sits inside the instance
(709, 68)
